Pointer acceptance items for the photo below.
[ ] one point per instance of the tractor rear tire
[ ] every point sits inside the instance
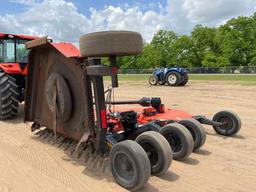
(197, 131)
(130, 165)
(111, 43)
(173, 78)
(9, 96)
(158, 150)
(180, 140)
(232, 123)
(184, 80)
(153, 80)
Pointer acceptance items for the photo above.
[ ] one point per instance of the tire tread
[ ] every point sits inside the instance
(9, 96)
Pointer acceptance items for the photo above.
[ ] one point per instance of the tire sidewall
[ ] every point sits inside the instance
(235, 119)
(184, 136)
(156, 80)
(197, 131)
(178, 78)
(140, 160)
(135, 165)
(158, 142)
(184, 80)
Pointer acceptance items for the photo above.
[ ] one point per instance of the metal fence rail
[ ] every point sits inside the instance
(201, 70)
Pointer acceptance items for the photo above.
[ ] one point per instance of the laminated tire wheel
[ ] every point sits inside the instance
(158, 150)
(63, 102)
(197, 131)
(180, 140)
(129, 165)
(231, 123)
(110, 43)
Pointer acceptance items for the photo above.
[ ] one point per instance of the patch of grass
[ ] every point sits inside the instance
(242, 79)
(132, 77)
(216, 77)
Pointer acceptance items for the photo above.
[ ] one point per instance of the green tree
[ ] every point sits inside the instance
(203, 40)
(233, 43)
(237, 40)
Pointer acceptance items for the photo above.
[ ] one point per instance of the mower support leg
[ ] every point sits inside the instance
(206, 121)
(100, 109)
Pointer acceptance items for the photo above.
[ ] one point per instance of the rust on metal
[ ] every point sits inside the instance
(45, 60)
(54, 110)
(36, 43)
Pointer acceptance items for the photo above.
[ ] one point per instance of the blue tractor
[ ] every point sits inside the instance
(173, 76)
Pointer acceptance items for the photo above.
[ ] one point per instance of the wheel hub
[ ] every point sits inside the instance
(153, 80)
(227, 123)
(151, 152)
(174, 141)
(124, 166)
(172, 79)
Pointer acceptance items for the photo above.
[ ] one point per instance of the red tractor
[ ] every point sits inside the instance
(13, 70)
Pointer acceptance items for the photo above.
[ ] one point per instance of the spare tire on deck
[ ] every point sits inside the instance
(111, 43)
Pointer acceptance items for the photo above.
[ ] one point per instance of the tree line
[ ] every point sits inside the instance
(231, 44)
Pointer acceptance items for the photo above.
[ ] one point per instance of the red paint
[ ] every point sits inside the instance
(114, 70)
(169, 114)
(14, 68)
(25, 70)
(103, 119)
(67, 49)
(11, 68)
(162, 108)
(163, 117)
(28, 37)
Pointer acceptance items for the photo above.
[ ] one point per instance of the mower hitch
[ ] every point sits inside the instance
(204, 120)
(154, 102)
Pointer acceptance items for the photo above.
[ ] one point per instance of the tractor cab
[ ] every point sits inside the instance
(13, 71)
(13, 54)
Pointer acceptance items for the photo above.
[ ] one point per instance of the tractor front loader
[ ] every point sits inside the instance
(65, 93)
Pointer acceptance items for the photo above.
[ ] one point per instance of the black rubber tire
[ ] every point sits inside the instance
(134, 154)
(182, 136)
(197, 131)
(184, 80)
(64, 101)
(9, 96)
(233, 121)
(153, 80)
(111, 43)
(174, 74)
(158, 150)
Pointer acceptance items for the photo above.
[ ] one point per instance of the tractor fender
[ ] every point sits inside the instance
(175, 69)
(25, 70)
(11, 68)
(183, 70)
(169, 71)
(159, 73)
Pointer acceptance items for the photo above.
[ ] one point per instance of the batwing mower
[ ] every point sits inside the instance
(183, 131)
(65, 94)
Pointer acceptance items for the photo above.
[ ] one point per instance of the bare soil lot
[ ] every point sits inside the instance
(32, 163)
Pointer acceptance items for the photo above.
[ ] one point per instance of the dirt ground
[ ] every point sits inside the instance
(32, 163)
